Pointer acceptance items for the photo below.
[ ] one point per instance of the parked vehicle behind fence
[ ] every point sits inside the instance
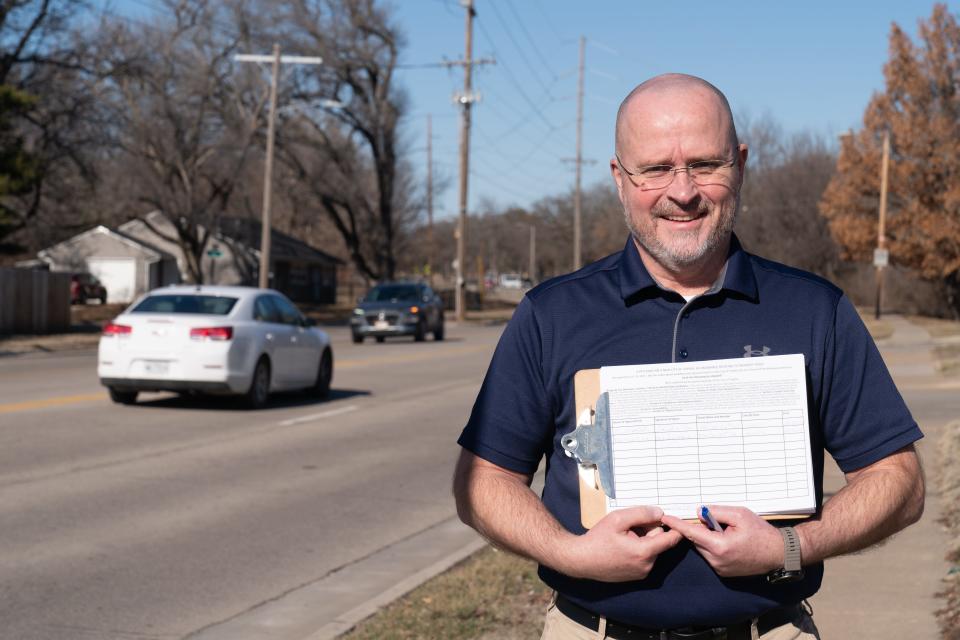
(85, 287)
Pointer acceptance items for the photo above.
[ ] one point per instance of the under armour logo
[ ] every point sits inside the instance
(750, 352)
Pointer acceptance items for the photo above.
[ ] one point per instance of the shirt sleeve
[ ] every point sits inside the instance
(512, 418)
(863, 415)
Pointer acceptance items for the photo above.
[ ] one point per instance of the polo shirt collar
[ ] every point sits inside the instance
(739, 277)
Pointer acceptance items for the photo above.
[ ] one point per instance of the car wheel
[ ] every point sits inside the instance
(357, 338)
(421, 333)
(438, 332)
(103, 299)
(380, 338)
(259, 391)
(321, 388)
(122, 397)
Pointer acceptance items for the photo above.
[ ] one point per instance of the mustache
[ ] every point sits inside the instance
(663, 209)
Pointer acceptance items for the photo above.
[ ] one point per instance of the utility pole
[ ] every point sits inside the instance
(532, 269)
(465, 101)
(430, 247)
(881, 256)
(579, 161)
(275, 59)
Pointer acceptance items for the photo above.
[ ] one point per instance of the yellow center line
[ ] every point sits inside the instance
(42, 403)
(14, 407)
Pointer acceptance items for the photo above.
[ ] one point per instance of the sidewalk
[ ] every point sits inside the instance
(889, 592)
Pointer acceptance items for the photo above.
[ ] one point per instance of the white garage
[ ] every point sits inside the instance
(118, 275)
(126, 266)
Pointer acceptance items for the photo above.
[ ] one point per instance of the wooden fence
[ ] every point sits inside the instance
(34, 301)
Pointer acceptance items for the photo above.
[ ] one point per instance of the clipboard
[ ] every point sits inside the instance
(593, 500)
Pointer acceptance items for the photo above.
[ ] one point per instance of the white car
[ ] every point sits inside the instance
(211, 339)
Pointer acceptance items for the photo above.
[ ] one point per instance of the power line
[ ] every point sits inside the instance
(548, 21)
(514, 81)
(536, 49)
(499, 186)
(506, 29)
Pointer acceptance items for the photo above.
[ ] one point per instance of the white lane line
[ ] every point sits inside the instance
(317, 416)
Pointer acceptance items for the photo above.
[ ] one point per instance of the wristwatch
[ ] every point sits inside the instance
(792, 569)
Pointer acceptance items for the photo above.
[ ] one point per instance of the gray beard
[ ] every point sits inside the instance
(678, 261)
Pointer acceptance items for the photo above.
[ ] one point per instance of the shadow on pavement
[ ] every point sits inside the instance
(235, 403)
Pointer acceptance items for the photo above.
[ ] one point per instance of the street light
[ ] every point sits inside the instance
(276, 59)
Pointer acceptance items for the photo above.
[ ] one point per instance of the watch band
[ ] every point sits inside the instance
(791, 549)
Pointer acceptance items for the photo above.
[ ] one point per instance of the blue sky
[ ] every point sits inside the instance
(809, 65)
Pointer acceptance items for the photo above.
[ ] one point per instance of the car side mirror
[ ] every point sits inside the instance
(309, 322)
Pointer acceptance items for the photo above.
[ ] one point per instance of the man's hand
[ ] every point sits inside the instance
(622, 546)
(499, 504)
(748, 546)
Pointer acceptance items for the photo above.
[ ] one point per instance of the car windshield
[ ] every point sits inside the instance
(184, 303)
(393, 293)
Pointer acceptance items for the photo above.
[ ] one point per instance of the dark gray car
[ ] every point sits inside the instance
(398, 309)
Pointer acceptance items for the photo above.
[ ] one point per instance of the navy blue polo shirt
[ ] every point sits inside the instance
(612, 312)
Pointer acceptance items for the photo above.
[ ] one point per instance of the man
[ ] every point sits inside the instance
(682, 289)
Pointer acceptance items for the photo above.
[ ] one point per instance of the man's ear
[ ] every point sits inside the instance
(617, 176)
(742, 153)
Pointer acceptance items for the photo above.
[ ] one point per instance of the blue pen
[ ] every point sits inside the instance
(709, 519)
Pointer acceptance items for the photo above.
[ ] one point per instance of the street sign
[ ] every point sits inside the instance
(214, 253)
(881, 257)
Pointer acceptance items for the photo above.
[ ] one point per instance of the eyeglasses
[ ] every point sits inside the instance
(660, 176)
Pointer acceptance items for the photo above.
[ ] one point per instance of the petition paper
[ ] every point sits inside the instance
(728, 432)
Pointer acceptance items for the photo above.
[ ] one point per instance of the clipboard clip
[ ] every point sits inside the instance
(590, 444)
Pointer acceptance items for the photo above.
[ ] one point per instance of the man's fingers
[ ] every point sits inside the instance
(693, 531)
(636, 517)
(660, 543)
(729, 515)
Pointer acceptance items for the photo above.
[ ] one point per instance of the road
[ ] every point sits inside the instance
(164, 519)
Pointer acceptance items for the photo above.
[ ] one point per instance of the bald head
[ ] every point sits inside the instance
(669, 87)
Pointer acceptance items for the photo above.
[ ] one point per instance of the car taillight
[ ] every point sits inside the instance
(114, 329)
(211, 333)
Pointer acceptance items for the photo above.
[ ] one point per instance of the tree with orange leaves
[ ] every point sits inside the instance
(921, 109)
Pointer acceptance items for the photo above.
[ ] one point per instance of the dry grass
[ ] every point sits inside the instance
(946, 336)
(949, 485)
(877, 328)
(490, 595)
(937, 327)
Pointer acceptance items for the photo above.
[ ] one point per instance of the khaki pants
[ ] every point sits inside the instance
(560, 627)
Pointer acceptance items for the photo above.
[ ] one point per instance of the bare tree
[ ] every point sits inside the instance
(345, 155)
(779, 216)
(184, 127)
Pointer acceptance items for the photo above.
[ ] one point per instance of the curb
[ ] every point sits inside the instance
(348, 620)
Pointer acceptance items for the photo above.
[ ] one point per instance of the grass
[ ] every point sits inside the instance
(937, 327)
(948, 482)
(877, 328)
(946, 335)
(948, 357)
(490, 595)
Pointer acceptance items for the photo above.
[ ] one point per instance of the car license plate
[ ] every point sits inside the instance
(156, 366)
(381, 324)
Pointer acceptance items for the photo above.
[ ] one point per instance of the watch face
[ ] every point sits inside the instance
(782, 575)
